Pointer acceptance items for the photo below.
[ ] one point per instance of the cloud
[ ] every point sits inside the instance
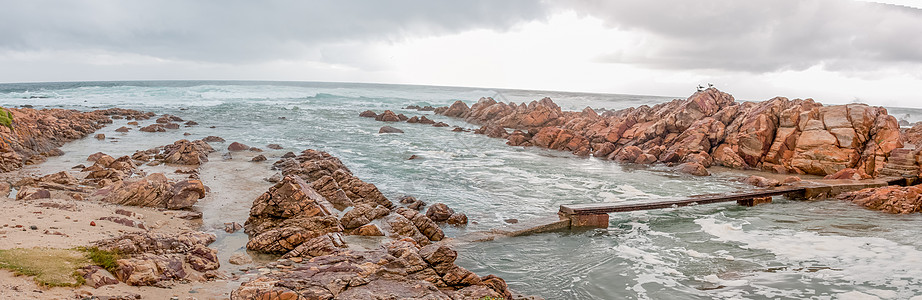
(237, 31)
(759, 37)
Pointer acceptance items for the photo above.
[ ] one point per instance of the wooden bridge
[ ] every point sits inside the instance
(595, 215)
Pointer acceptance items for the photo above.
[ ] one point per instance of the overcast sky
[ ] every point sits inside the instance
(835, 51)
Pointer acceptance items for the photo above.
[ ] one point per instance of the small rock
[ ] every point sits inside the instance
(33, 227)
(235, 146)
(368, 114)
(368, 230)
(274, 146)
(389, 129)
(100, 136)
(439, 212)
(240, 259)
(232, 227)
(693, 168)
(259, 158)
(122, 129)
(92, 223)
(412, 157)
(511, 221)
(457, 219)
(213, 139)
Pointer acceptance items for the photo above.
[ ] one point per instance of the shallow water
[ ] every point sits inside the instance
(790, 249)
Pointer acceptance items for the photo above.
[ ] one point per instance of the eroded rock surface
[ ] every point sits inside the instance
(708, 128)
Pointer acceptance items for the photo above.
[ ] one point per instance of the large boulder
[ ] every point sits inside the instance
(890, 199)
(155, 190)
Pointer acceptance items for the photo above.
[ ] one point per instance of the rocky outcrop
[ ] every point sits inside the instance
(39, 133)
(184, 152)
(707, 128)
(154, 259)
(289, 214)
(398, 270)
(890, 199)
(155, 190)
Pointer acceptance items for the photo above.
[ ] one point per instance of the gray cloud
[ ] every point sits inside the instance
(238, 31)
(756, 36)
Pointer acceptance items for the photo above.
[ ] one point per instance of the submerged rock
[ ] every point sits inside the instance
(389, 129)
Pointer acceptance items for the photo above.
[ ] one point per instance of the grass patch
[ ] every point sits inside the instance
(50, 267)
(102, 258)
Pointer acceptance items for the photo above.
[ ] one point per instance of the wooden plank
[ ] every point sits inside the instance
(602, 208)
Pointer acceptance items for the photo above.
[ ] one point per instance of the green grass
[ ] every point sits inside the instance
(50, 267)
(102, 258)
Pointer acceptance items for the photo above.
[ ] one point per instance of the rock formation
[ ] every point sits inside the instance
(154, 259)
(397, 270)
(307, 213)
(39, 133)
(710, 127)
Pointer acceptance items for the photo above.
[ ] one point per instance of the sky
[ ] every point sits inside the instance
(834, 51)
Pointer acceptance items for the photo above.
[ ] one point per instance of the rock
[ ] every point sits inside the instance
(693, 169)
(440, 124)
(274, 146)
(511, 221)
(235, 146)
(791, 179)
(387, 116)
(890, 199)
(155, 191)
(389, 129)
(849, 173)
(368, 230)
(171, 126)
(153, 128)
(286, 216)
(96, 156)
(188, 215)
(240, 259)
(100, 136)
(191, 123)
(412, 157)
(184, 152)
(761, 181)
(232, 227)
(439, 212)
(458, 219)
(152, 258)
(213, 139)
(458, 109)
(32, 193)
(96, 276)
(123, 129)
(424, 120)
(259, 158)
(368, 114)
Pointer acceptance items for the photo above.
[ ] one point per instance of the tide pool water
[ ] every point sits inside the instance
(787, 250)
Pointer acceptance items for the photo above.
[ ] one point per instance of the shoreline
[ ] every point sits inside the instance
(219, 170)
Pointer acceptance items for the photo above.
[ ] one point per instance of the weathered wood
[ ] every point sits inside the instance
(814, 189)
(604, 208)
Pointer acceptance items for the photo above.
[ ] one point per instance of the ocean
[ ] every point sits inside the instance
(787, 250)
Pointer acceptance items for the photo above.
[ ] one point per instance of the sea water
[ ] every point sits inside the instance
(787, 250)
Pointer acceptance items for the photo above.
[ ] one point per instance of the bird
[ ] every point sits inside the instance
(700, 88)
(710, 85)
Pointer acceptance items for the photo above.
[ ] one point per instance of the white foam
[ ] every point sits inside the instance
(850, 260)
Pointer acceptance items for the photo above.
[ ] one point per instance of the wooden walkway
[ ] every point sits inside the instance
(595, 215)
(604, 208)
